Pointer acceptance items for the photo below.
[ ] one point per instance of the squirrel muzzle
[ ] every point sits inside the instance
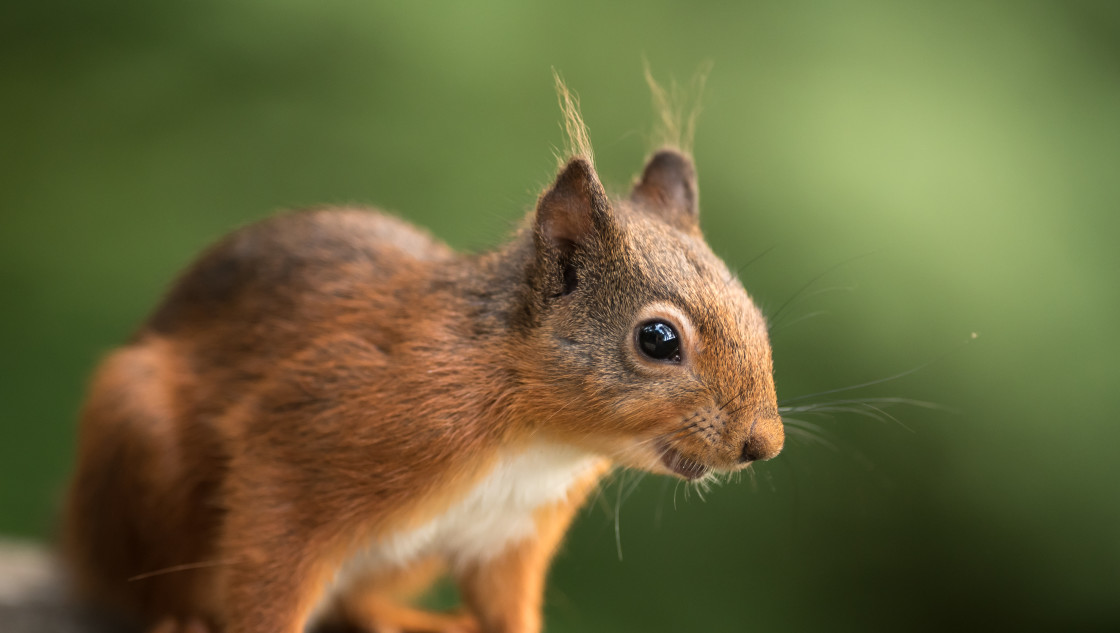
(764, 440)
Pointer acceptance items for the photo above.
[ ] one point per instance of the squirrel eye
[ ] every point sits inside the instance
(659, 341)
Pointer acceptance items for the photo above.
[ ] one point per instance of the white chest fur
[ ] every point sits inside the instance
(494, 514)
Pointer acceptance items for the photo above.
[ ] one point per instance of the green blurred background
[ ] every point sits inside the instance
(948, 167)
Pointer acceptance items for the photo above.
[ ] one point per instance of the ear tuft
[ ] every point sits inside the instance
(579, 139)
(676, 107)
(668, 188)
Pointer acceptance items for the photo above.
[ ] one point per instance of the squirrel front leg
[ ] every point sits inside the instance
(505, 592)
(274, 575)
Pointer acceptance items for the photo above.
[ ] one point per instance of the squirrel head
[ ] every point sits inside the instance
(645, 346)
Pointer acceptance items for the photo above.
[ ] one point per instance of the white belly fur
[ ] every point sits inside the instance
(493, 515)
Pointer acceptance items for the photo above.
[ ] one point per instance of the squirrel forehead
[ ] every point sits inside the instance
(681, 268)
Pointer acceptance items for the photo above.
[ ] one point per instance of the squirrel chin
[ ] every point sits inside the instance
(680, 465)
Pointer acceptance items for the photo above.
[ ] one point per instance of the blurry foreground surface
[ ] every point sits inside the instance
(949, 168)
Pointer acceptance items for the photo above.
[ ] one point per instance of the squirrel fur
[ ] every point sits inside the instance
(330, 408)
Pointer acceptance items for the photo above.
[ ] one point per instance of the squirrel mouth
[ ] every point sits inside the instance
(681, 465)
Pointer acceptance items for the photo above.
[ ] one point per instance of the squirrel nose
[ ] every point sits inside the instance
(765, 441)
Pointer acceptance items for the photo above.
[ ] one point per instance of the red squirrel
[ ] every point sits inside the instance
(331, 408)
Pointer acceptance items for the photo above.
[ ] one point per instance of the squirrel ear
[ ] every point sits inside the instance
(668, 188)
(574, 207)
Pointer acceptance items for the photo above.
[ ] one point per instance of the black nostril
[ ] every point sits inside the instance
(750, 453)
(754, 452)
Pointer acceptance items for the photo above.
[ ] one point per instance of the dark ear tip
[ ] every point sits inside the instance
(578, 168)
(580, 162)
(575, 203)
(668, 186)
(577, 178)
(668, 160)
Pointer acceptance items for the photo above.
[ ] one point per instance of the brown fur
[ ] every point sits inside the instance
(324, 378)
